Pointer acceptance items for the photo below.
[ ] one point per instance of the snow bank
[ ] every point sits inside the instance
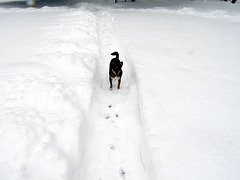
(47, 68)
(187, 71)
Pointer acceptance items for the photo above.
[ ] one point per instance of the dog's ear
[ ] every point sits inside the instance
(121, 64)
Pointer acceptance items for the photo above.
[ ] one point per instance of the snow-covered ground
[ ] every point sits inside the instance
(176, 115)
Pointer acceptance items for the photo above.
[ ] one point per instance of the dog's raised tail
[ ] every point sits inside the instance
(115, 54)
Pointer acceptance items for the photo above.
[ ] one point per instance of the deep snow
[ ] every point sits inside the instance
(176, 115)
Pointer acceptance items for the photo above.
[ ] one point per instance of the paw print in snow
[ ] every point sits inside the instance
(107, 117)
(112, 148)
(122, 173)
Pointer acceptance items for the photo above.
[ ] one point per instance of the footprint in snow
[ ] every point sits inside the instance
(122, 173)
(107, 117)
(112, 148)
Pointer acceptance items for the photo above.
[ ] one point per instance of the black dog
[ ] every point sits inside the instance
(115, 69)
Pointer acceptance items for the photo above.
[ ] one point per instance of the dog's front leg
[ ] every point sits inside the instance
(110, 80)
(119, 82)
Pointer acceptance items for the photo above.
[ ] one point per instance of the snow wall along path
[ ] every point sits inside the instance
(114, 145)
(47, 68)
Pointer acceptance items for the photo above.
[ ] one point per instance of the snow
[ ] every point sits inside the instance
(188, 86)
(176, 115)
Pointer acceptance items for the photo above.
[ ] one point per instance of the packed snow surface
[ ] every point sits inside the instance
(176, 115)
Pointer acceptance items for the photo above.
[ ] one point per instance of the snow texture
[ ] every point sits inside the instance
(176, 115)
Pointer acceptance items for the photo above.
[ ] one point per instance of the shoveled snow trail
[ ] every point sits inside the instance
(115, 148)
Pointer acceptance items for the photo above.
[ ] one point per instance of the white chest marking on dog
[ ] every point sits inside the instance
(116, 78)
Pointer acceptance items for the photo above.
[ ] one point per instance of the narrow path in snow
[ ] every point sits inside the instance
(115, 148)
